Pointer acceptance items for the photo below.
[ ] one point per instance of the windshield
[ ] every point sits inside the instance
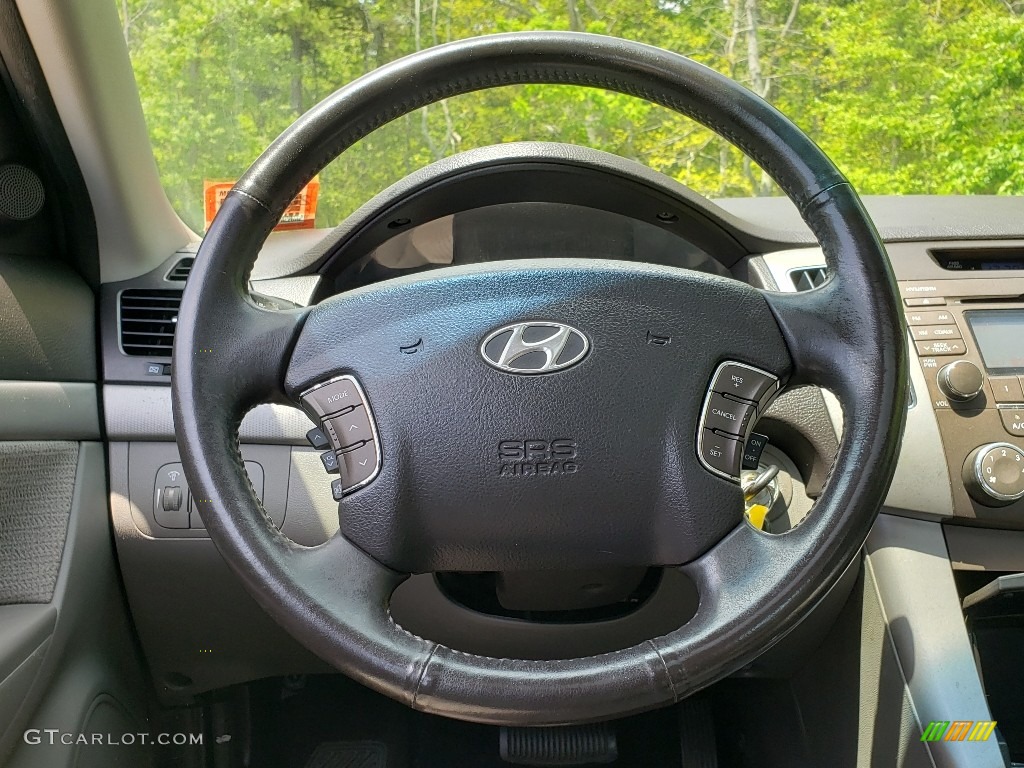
(914, 97)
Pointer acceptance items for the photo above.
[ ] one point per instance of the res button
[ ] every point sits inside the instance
(741, 381)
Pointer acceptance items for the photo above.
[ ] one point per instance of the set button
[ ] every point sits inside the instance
(347, 430)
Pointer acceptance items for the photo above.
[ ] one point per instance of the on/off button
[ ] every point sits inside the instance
(725, 415)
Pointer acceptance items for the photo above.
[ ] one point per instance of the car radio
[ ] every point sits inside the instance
(968, 334)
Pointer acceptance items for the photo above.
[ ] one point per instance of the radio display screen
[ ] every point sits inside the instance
(1000, 337)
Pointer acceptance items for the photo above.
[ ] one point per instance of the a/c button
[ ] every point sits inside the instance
(1013, 420)
(727, 415)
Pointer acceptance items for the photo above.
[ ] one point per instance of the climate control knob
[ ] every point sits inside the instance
(961, 381)
(994, 474)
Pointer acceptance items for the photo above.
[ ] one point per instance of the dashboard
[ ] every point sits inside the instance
(963, 449)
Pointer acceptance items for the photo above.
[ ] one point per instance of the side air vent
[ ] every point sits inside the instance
(148, 320)
(806, 278)
(181, 270)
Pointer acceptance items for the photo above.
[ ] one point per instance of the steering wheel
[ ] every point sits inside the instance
(541, 362)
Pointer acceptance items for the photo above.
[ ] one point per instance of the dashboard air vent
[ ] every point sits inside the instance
(806, 278)
(181, 270)
(148, 319)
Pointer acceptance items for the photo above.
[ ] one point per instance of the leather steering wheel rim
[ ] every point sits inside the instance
(847, 335)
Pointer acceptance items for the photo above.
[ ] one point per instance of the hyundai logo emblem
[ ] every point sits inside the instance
(535, 347)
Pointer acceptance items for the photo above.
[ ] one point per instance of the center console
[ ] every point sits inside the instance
(967, 328)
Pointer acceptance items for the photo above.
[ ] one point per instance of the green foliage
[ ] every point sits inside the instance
(920, 96)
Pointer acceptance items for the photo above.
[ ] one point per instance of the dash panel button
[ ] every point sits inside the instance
(744, 382)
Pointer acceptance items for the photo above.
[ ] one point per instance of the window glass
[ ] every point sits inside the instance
(912, 97)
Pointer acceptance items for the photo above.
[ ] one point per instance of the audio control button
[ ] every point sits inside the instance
(925, 332)
(940, 347)
(1006, 389)
(930, 317)
(349, 428)
(331, 397)
(358, 466)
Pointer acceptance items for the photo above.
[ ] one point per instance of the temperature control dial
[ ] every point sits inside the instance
(994, 474)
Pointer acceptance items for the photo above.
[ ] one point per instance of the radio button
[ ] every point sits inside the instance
(937, 317)
(940, 347)
(1006, 389)
(1013, 420)
(925, 332)
(725, 415)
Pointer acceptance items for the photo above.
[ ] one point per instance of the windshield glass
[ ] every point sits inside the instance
(912, 97)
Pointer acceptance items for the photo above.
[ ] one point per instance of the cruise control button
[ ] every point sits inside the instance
(740, 381)
(318, 439)
(1006, 389)
(926, 332)
(752, 452)
(1013, 420)
(727, 415)
(330, 461)
(940, 347)
(349, 428)
(358, 465)
(931, 317)
(331, 398)
(720, 452)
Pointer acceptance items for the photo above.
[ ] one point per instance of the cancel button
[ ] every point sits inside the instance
(727, 415)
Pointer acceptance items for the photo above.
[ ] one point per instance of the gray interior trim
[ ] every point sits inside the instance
(298, 290)
(91, 635)
(897, 217)
(910, 565)
(135, 412)
(49, 410)
(984, 549)
(23, 628)
(921, 483)
(85, 60)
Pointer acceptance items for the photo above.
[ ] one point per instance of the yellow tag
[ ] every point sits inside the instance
(757, 514)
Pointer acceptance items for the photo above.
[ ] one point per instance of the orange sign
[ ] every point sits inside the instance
(300, 213)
